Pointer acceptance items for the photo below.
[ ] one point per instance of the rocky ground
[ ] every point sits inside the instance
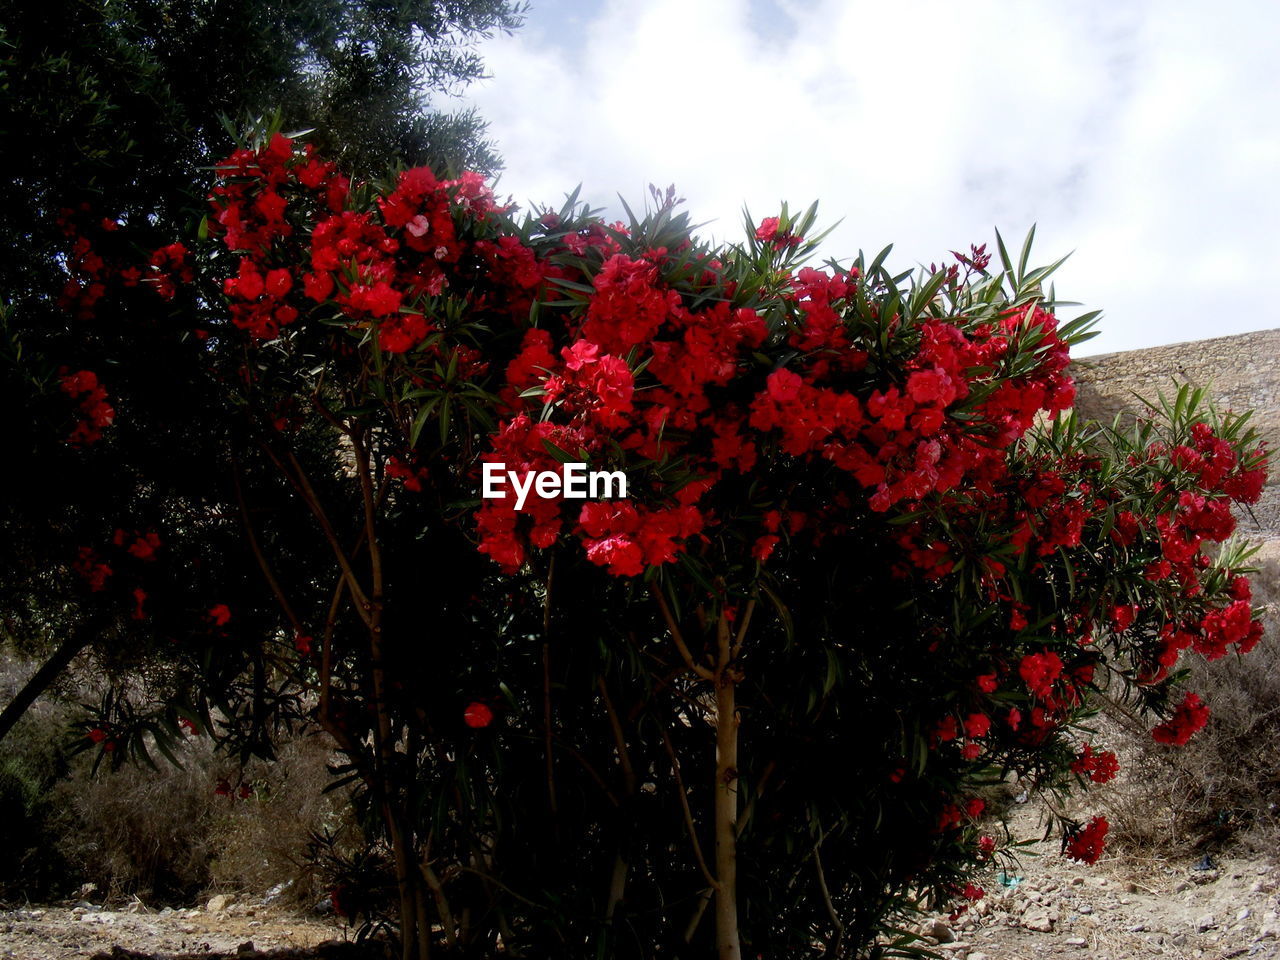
(1112, 911)
(1122, 908)
(219, 927)
(1116, 910)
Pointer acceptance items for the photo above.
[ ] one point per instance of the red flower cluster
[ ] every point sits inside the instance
(94, 571)
(1100, 766)
(170, 265)
(98, 261)
(373, 267)
(1190, 716)
(95, 412)
(412, 477)
(897, 439)
(1086, 844)
(141, 546)
(1039, 671)
(250, 204)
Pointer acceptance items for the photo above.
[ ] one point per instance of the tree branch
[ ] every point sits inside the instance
(676, 635)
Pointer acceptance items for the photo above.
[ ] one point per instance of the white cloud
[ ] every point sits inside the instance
(1145, 136)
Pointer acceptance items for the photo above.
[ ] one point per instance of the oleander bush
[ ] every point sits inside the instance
(867, 562)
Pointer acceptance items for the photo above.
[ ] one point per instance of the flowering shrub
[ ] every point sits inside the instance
(868, 559)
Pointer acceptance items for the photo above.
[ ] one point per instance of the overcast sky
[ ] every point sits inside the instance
(1145, 136)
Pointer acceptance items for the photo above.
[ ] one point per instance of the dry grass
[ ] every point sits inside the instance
(169, 835)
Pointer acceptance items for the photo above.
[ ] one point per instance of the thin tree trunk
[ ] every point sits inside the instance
(727, 943)
(43, 678)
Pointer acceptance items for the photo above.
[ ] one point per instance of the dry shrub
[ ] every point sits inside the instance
(1222, 788)
(142, 831)
(263, 840)
(171, 833)
(164, 834)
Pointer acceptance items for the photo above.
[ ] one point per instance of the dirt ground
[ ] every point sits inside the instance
(61, 933)
(1115, 910)
(1118, 909)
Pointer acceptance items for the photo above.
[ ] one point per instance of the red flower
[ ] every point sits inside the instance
(144, 548)
(1086, 844)
(139, 598)
(764, 547)
(317, 286)
(220, 615)
(1190, 717)
(1122, 617)
(279, 282)
(1100, 766)
(477, 715)
(1039, 671)
(95, 573)
(977, 725)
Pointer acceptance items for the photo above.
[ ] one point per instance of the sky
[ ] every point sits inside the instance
(1142, 138)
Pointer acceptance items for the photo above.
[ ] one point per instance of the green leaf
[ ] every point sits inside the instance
(421, 420)
(561, 455)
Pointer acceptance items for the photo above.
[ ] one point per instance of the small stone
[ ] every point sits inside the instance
(1077, 881)
(1206, 922)
(978, 956)
(1183, 886)
(1077, 942)
(1085, 909)
(1244, 914)
(1040, 922)
(167, 912)
(940, 932)
(219, 903)
(1138, 928)
(1130, 887)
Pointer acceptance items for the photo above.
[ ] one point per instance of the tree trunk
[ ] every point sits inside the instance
(726, 793)
(43, 678)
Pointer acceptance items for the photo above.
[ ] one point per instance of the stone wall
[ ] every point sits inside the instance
(1240, 372)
